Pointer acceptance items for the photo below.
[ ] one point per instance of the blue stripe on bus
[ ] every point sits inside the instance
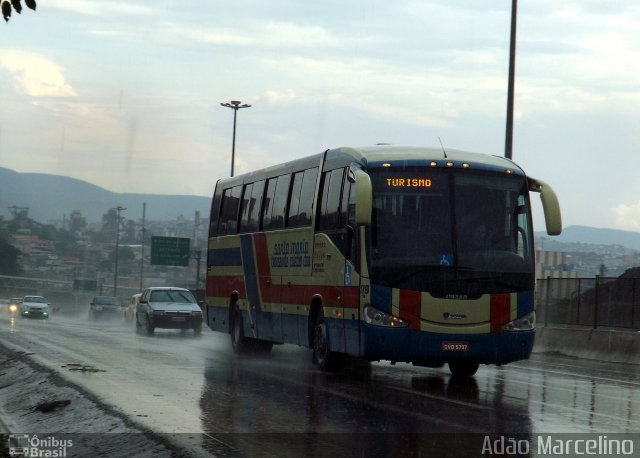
(225, 257)
(381, 298)
(249, 267)
(525, 303)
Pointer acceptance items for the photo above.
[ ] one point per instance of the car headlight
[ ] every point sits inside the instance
(13, 308)
(379, 318)
(525, 323)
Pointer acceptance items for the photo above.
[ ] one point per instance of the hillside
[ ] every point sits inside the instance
(50, 197)
(592, 236)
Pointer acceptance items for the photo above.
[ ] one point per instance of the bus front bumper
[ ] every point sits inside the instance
(433, 350)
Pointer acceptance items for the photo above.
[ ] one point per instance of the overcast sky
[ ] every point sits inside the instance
(126, 95)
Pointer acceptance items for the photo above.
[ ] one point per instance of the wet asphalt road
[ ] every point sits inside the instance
(176, 382)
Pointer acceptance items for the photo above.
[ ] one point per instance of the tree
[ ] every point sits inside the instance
(9, 258)
(9, 5)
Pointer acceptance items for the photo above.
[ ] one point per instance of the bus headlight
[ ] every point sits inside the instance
(379, 318)
(526, 323)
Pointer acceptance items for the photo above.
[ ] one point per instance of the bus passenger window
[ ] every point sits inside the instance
(244, 207)
(254, 206)
(302, 195)
(280, 202)
(267, 208)
(229, 211)
(294, 202)
(330, 207)
(307, 195)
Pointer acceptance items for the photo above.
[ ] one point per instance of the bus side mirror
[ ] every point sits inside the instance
(364, 198)
(550, 205)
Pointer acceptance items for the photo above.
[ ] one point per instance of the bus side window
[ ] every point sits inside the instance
(294, 200)
(302, 195)
(244, 207)
(330, 206)
(280, 199)
(267, 207)
(229, 210)
(307, 195)
(255, 206)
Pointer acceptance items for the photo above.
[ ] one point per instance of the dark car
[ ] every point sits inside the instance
(168, 307)
(105, 306)
(13, 306)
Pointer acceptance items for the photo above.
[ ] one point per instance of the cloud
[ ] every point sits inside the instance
(35, 75)
(100, 8)
(627, 216)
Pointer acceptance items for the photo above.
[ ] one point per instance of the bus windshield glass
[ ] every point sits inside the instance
(450, 231)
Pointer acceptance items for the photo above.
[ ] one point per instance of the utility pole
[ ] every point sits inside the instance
(144, 212)
(235, 106)
(118, 209)
(196, 253)
(508, 143)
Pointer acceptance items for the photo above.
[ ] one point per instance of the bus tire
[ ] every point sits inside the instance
(462, 369)
(323, 357)
(239, 342)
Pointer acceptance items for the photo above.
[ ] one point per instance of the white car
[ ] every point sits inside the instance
(34, 307)
(168, 307)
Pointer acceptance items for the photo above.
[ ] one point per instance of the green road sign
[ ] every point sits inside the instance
(170, 251)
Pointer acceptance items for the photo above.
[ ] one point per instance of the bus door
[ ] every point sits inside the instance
(334, 246)
(265, 310)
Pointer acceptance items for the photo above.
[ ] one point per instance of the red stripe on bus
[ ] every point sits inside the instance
(269, 293)
(332, 296)
(224, 285)
(410, 302)
(500, 311)
(262, 254)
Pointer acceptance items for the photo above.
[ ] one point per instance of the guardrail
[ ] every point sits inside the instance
(599, 302)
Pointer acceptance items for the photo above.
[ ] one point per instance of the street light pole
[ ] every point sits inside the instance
(508, 142)
(118, 209)
(235, 106)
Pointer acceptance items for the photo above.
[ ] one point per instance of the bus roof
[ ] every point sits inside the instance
(375, 156)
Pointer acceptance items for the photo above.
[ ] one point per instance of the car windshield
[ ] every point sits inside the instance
(35, 299)
(172, 296)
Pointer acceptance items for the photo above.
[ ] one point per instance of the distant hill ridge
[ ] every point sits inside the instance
(50, 197)
(596, 236)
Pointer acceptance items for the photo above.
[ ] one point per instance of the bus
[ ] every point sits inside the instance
(384, 253)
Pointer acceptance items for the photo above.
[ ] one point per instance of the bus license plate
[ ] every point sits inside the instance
(455, 346)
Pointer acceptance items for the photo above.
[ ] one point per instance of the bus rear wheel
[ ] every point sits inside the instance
(323, 357)
(239, 342)
(462, 369)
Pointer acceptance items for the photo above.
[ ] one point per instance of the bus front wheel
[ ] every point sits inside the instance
(323, 357)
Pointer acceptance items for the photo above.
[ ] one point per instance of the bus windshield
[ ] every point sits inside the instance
(450, 231)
